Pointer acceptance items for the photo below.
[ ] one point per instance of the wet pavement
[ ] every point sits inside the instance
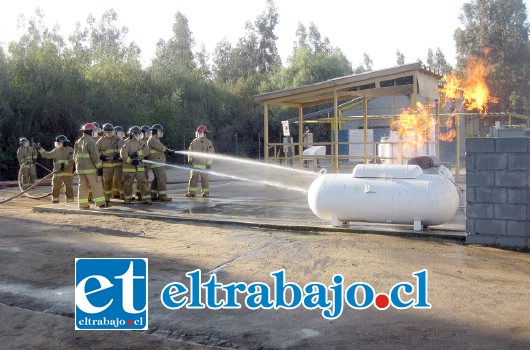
(254, 203)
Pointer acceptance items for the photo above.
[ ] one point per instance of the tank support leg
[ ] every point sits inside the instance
(417, 225)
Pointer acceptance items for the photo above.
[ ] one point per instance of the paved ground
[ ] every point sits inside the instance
(280, 203)
(245, 231)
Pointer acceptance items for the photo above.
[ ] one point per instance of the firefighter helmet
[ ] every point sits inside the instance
(108, 127)
(135, 130)
(118, 129)
(202, 128)
(157, 127)
(96, 124)
(145, 128)
(61, 139)
(88, 127)
(22, 140)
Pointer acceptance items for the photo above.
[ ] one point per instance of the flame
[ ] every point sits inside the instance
(471, 88)
(414, 127)
(451, 132)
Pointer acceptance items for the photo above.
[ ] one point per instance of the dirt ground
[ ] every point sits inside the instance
(480, 296)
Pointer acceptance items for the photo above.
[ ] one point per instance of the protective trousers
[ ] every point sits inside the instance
(194, 179)
(139, 194)
(57, 181)
(29, 175)
(141, 185)
(108, 178)
(117, 182)
(90, 182)
(159, 183)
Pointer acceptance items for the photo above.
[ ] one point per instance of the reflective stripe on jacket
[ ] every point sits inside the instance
(110, 147)
(129, 147)
(25, 154)
(204, 146)
(156, 151)
(86, 156)
(61, 155)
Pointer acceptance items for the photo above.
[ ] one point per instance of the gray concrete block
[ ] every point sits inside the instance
(470, 194)
(479, 211)
(519, 161)
(491, 161)
(518, 228)
(470, 226)
(491, 195)
(518, 196)
(490, 227)
(516, 144)
(481, 239)
(510, 211)
(470, 162)
(506, 178)
(512, 242)
(480, 145)
(480, 178)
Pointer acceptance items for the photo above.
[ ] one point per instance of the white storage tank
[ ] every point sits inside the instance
(421, 193)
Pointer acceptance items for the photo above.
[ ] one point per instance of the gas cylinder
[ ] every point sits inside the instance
(400, 194)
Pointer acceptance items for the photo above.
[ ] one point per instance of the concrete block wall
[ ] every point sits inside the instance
(498, 193)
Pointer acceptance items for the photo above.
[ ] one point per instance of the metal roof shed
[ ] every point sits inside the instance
(408, 79)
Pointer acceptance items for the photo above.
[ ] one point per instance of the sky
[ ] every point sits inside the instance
(375, 27)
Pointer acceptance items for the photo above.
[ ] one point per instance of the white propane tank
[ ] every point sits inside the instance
(401, 194)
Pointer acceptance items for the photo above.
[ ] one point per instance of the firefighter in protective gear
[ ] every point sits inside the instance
(89, 168)
(27, 156)
(120, 132)
(200, 164)
(157, 153)
(132, 152)
(146, 132)
(117, 182)
(108, 147)
(63, 165)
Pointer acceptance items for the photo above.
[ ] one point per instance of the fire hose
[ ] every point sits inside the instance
(24, 192)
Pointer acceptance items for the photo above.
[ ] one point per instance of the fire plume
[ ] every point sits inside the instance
(471, 88)
(414, 127)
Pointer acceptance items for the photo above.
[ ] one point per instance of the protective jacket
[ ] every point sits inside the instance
(25, 154)
(110, 148)
(130, 147)
(86, 156)
(202, 145)
(61, 155)
(156, 151)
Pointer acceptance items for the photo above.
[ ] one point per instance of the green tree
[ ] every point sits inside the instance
(267, 52)
(178, 50)
(497, 31)
(400, 57)
(46, 91)
(440, 63)
(365, 66)
(301, 36)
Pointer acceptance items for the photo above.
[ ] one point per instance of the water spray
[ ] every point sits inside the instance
(263, 182)
(245, 161)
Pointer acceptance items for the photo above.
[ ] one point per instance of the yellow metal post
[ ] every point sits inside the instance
(300, 137)
(336, 126)
(457, 126)
(365, 127)
(266, 131)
